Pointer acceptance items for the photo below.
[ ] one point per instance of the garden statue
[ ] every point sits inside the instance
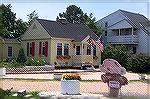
(113, 71)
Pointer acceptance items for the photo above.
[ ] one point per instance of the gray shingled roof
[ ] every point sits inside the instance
(137, 20)
(73, 31)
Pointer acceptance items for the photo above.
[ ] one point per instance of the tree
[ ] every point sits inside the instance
(119, 53)
(7, 19)
(20, 28)
(75, 14)
(32, 16)
(3, 31)
(10, 27)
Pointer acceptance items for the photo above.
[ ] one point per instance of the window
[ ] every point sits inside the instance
(30, 48)
(134, 50)
(106, 33)
(106, 24)
(66, 49)
(9, 51)
(27, 49)
(77, 50)
(94, 50)
(59, 48)
(43, 48)
(88, 50)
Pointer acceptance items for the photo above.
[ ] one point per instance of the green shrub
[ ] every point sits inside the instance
(4, 93)
(119, 53)
(35, 62)
(139, 63)
(21, 57)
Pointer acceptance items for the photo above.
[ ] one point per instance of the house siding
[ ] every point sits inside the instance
(121, 25)
(36, 50)
(53, 50)
(15, 48)
(111, 19)
(37, 32)
(142, 46)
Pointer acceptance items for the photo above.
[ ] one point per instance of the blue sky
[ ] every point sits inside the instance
(50, 10)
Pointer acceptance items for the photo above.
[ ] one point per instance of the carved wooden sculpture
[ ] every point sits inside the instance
(113, 71)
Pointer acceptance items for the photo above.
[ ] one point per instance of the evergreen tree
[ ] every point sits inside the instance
(21, 57)
(74, 14)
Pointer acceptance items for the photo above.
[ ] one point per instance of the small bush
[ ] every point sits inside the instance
(35, 62)
(21, 57)
(71, 76)
(139, 63)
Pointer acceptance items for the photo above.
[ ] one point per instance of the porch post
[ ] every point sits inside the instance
(119, 32)
(132, 30)
(82, 52)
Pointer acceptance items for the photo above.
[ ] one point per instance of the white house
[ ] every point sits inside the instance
(130, 29)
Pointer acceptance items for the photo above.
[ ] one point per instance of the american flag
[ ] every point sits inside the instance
(100, 44)
(91, 42)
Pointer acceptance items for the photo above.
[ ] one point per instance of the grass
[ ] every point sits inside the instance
(34, 95)
(144, 81)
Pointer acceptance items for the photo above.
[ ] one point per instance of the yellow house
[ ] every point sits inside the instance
(60, 43)
(9, 48)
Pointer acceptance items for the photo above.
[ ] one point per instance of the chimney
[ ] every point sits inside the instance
(63, 21)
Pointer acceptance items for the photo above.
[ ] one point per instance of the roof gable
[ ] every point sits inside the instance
(135, 17)
(73, 31)
(121, 24)
(35, 31)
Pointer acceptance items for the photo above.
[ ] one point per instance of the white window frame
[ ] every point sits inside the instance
(56, 47)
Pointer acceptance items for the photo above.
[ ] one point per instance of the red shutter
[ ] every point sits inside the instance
(40, 48)
(46, 48)
(33, 48)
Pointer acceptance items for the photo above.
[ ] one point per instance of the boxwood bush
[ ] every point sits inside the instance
(35, 61)
(139, 63)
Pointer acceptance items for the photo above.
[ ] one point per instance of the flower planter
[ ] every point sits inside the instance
(70, 87)
(57, 76)
(142, 76)
(2, 71)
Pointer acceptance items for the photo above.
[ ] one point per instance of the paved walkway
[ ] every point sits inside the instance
(84, 76)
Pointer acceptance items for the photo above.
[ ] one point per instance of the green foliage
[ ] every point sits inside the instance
(7, 17)
(139, 63)
(32, 16)
(20, 28)
(4, 93)
(35, 62)
(75, 14)
(10, 27)
(21, 57)
(119, 53)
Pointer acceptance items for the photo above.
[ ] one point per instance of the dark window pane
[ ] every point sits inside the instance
(9, 51)
(59, 48)
(88, 50)
(77, 50)
(66, 49)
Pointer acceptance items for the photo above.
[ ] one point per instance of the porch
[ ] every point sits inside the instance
(123, 36)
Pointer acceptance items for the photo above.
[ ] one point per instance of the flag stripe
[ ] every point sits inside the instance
(100, 44)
